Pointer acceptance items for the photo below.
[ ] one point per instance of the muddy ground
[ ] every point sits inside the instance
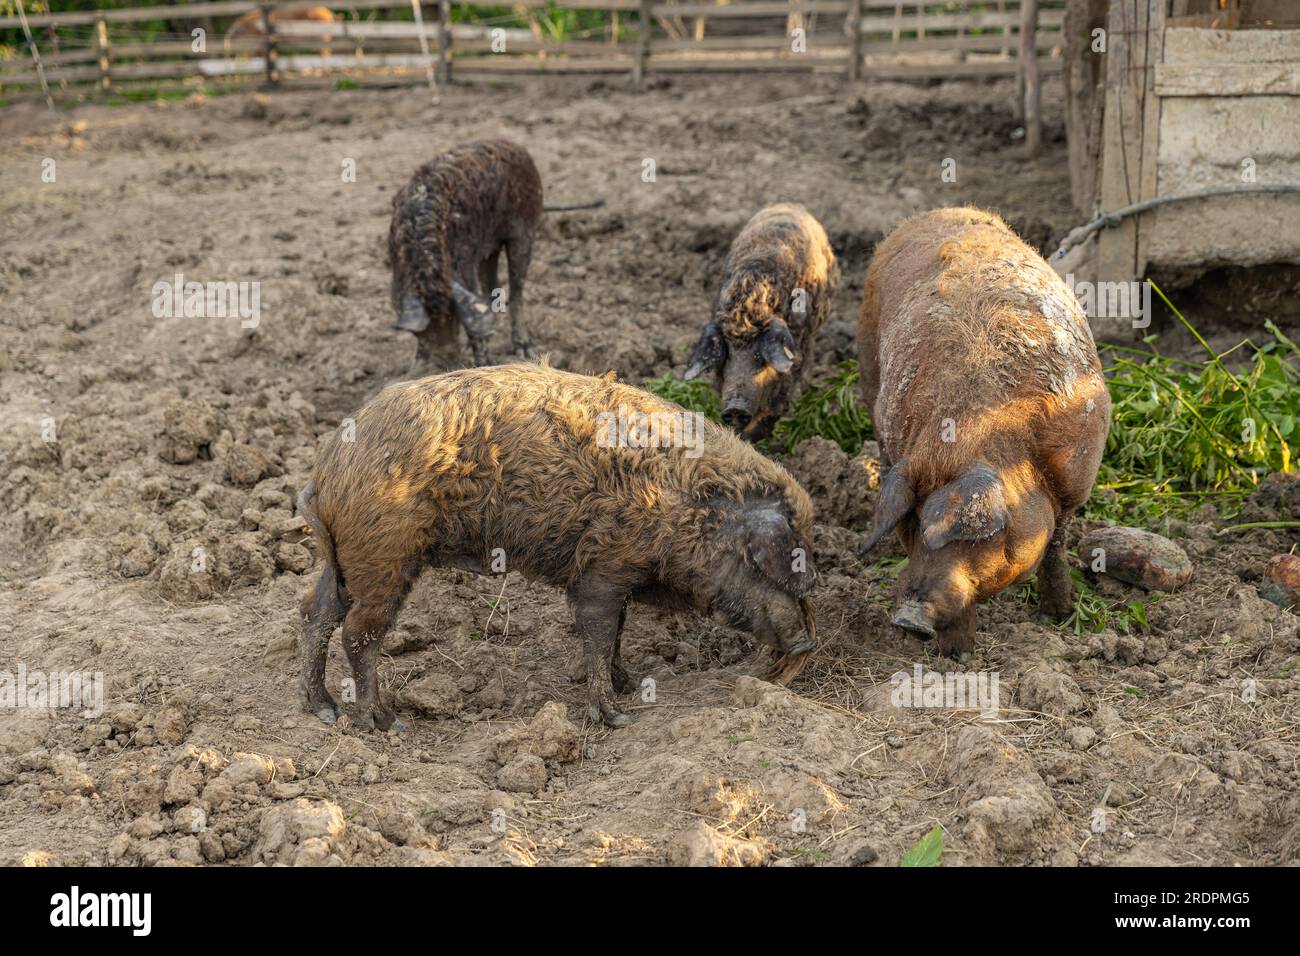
(149, 536)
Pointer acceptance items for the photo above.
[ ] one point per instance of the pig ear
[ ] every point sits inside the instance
(473, 310)
(771, 545)
(777, 347)
(971, 508)
(411, 315)
(895, 500)
(709, 352)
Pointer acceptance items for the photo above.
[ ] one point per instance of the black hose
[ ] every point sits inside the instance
(1081, 233)
(594, 204)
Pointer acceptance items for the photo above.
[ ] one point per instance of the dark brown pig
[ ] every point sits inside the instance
(603, 489)
(991, 412)
(776, 291)
(450, 224)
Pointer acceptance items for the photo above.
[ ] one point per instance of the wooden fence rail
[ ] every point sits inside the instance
(855, 38)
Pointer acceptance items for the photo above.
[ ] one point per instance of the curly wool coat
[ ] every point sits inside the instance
(513, 458)
(449, 225)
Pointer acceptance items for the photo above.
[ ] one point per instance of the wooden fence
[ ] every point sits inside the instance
(855, 38)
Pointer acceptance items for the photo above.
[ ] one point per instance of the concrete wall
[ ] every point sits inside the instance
(1204, 140)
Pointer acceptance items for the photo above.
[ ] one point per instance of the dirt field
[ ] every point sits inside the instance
(176, 434)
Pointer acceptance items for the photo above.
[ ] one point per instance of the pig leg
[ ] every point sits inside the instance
(489, 276)
(520, 251)
(958, 637)
(623, 681)
(1055, 590)
(597, 606)
(363, 637)
(478, 345)
(322, 610)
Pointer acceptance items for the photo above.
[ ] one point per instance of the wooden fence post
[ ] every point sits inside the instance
(444, 41)
(429, 68)
(855, 40)
(641, 62)
(1029, 70)
(103, 54)
(1126, 77)
(270, 51)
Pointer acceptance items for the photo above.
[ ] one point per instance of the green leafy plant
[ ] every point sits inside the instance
(1187, 433)
(1093, 611)
(830, 410)
(928, 850)
(693, 396)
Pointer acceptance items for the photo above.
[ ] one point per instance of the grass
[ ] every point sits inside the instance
(154, 94)
(928, 851)
(695, 396)
(830, 411)
(1093, 611)
(1184, 434)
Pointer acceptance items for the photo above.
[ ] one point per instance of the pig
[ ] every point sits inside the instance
(991, 413)
(522, 467)
(777, 283)
(449, 225)
(250, 24)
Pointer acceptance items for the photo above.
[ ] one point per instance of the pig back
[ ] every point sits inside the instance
(973, 347)
(531, 461)
(458, 209)
(782, 248)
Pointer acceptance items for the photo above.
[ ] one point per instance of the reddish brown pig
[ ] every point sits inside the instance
(991, 412)
(250, 24)
(776, 292)
(587, 484)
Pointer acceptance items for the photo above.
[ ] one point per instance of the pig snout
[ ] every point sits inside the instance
(743, 401)
(739, 397)
(736, 414)
(780, 624)
(916, 617)
(934, 591)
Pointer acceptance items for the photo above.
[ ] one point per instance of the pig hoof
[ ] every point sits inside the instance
(1056, 611)
(328, 714)
(524, 350)
(610, 716)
